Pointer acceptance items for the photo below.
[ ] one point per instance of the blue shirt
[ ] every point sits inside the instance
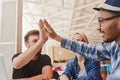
(92, 68)
(100, 51)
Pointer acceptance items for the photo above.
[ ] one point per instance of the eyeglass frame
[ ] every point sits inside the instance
(106, 19)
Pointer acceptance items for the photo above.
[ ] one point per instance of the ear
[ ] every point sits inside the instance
(26, 44)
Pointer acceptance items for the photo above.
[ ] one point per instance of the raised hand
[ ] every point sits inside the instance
(43, 36)
(50, 32)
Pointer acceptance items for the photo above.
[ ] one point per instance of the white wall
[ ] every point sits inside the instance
(0, 16)
(9, 22)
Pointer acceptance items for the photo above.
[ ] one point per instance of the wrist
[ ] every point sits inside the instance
(58, 38)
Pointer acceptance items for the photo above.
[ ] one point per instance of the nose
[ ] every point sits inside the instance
(99, 29)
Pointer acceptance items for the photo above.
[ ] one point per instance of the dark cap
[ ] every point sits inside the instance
(112, 6)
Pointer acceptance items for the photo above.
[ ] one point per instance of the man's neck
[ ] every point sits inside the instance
(118, 42)
(35, 57)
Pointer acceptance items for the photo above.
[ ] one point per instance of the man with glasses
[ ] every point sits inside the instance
(109, 19)
(31, 64)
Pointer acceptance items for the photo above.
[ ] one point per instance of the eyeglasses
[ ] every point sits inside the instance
(100, 19)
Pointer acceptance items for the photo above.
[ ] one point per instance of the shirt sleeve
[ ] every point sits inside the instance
(100, 51)
(69, 69)
(46, 60)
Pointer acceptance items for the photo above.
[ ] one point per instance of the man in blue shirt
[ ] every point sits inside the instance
(109, 19)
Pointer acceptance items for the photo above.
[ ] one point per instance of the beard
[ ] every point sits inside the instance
(111, 38)
(112, 33)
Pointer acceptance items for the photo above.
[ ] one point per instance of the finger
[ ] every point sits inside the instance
(41, 25)
(45, 21)
(46, 32)
(42, 28)
(47, 24)
(48, 27)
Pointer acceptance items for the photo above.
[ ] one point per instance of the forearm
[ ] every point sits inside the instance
(27, 55)
(93, 51)
(38, 77)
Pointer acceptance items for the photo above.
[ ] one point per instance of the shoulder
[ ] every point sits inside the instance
(44, 56)
(45, 59)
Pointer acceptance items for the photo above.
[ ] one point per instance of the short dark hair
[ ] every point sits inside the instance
(31, 32)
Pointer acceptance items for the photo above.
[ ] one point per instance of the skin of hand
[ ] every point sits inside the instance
(43, 36)
(50, 32)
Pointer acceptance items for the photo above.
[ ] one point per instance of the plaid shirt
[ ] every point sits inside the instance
(100, 51)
